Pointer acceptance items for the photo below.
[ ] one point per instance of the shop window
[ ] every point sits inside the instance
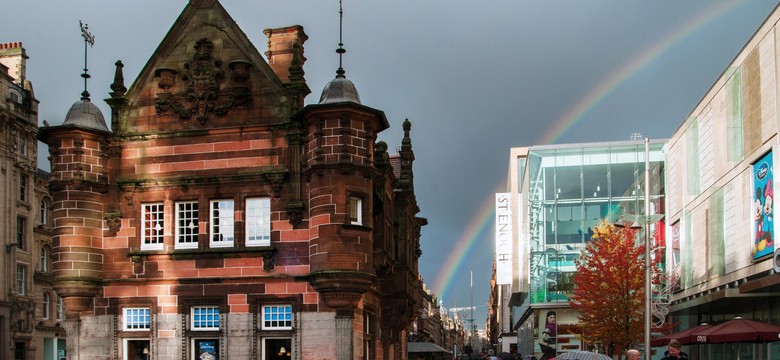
(277, 349)
(222, 223)
(187, 225)
(137, 349)
(153, 226)
(205, 349)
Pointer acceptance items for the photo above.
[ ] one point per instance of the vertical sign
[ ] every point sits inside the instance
(503, 238)
(763, 208)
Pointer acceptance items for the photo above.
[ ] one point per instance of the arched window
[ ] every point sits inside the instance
(44, 260)
(43, 212)
(46, 306)
(60, 309)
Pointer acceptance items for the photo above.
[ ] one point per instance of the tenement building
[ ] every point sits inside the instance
(30, 316)
(220, 218)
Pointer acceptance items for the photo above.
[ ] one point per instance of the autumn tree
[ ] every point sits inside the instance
(609, 287)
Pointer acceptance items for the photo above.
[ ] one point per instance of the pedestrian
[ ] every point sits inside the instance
(632, 354)
(674, 351)
(548, 339)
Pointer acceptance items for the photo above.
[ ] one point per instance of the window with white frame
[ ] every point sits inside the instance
(204, 318)
(44, 260)
(152, 226)
(222, 223)
(136, 318)
(277, 317)
(21, 232)
(23, 185)
(60, 308)
(46, 306)
(21, 279)
(23, 147)
(187, 225)
(355, 210)
(43, 212)
(258, 221)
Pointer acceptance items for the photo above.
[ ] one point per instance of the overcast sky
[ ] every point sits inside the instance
(474, 78)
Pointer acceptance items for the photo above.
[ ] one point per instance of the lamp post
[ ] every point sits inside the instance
(648, 270)
(648, 246)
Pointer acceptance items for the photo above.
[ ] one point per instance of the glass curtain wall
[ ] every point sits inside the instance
(572, 190)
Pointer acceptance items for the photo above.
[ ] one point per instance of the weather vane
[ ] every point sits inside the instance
(88, 39)
(340, 50)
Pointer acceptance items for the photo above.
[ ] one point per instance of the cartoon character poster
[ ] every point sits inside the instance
(763, 208)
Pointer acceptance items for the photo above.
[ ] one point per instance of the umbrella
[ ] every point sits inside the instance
(682, 336)
(736, 330)
(581, 355)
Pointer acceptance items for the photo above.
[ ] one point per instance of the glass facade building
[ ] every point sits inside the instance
(564, 192)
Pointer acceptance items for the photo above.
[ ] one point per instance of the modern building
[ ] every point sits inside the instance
(30, 310)
(723, 260)
(712, 210)
(217, 217)
(559, 193)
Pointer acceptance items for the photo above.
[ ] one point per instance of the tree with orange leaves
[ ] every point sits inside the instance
(610, 287)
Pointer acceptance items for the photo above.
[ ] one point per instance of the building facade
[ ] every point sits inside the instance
(220, 218)
(561, 192)
(722, 256)
(30, 316)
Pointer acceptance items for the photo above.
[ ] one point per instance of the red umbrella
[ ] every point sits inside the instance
(736, 330)
(681, 336)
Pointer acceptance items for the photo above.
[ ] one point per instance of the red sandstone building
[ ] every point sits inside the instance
(220, 218)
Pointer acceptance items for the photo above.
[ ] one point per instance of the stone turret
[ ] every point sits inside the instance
(78, 183)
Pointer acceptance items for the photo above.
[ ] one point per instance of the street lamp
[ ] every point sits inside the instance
(648, 244)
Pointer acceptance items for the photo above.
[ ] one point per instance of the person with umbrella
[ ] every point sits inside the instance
(674, 351)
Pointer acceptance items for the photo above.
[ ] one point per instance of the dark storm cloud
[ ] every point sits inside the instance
(475, 78)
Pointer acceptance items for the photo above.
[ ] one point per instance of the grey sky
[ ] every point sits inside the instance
(474, 78)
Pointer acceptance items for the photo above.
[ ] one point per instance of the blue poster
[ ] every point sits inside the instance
(763, 208)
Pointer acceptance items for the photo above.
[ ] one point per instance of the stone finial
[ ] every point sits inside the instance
(118, 86)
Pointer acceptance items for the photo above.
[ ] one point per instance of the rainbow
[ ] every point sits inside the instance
(637, 63)
(478, 227)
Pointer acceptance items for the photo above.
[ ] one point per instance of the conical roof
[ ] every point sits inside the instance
(85, 114)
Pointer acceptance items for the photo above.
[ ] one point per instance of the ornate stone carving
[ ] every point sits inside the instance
(114, 223)
(201, 94)
(269, 258)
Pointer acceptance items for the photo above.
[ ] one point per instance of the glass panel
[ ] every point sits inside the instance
(734, 114)
(258, 221)
(222, 223)
(692, 157)
(187, 224)
(717, 257)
